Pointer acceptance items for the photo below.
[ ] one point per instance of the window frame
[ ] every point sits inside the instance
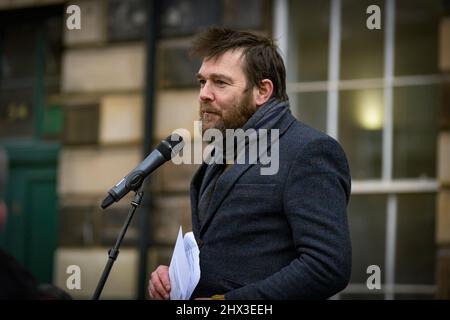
(387, 184)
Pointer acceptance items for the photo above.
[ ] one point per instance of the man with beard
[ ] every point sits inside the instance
(280, 236)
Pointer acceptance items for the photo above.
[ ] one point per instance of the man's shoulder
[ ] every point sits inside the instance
(299, 135)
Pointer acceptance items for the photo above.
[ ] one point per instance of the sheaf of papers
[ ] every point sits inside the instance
(184, 269)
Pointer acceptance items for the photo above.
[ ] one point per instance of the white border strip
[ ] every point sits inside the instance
(391, 235)
(394, 187)
(333, 71)
(388, 90)
(388, 137)
(368, 83)
(281, 26)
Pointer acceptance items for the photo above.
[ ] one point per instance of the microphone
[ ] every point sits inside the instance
(167, 148)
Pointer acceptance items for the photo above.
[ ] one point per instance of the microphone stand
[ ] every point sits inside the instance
(114, 252)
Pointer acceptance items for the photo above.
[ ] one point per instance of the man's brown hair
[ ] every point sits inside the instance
(261, 57)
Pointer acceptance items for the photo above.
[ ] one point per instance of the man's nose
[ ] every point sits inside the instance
(206, 93)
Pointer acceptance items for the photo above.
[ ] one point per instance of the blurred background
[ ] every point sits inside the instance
(80, 108)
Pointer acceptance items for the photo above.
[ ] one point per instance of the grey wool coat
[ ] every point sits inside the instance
(281, 236)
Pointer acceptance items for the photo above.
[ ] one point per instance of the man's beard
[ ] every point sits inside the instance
(242, 110)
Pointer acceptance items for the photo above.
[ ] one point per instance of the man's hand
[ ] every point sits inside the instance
(159, 284)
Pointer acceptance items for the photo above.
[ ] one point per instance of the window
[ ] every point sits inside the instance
(377, 92)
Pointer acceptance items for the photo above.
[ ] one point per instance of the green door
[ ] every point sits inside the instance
(30, 54)
(31, 229)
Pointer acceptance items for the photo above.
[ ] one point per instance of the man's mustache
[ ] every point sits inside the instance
(209, 109)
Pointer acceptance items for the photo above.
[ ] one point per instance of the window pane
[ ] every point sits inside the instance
(415, 131)
(367, 221)
(250, 14)
(127, 20)
(416, 36)
(17, 78)
(183, 17)
(308, 43)
(361, 48)
(360, 131)
(416, 251)
(310, 108)
(176, 69)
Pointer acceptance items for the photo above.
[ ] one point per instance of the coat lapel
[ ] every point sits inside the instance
(194, 192)
(224, 185)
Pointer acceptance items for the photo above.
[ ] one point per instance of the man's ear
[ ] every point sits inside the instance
(263, 92)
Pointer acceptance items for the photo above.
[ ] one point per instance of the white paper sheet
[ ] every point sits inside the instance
(184, 269)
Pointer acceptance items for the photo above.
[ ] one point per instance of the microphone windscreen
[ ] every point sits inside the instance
(170, 146)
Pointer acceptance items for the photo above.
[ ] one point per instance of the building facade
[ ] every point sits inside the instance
(79, 108)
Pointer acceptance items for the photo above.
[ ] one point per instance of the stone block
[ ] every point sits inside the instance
(112, 68)
(121, 119)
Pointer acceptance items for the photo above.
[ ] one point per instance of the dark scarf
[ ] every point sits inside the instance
(268, 115)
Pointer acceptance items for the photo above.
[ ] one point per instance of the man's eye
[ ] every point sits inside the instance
(221, 83)
(201, 82)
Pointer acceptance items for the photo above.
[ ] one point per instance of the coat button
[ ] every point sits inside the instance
(200, 243)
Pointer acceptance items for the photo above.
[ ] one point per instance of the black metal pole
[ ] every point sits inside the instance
(144, 221)
(114, 252)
